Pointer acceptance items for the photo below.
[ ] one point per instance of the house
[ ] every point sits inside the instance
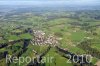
(39, 37)
(51, 40)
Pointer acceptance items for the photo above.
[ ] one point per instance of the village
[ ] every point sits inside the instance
(40, 38)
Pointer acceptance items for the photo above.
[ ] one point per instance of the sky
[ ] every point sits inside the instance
(52, 2)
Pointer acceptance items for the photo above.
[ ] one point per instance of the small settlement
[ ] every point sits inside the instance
(40, 38)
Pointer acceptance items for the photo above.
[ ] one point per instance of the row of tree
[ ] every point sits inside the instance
(86, 45)
(76, 60)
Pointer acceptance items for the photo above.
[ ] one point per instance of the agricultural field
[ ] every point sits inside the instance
(49, 34)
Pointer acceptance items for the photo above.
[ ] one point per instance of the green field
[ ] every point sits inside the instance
(70, 29)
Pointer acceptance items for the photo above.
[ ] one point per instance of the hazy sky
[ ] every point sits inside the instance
(45, 2)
